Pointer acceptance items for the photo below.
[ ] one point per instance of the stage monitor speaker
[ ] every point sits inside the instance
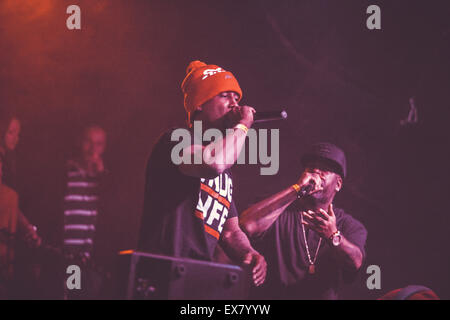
(146, 276)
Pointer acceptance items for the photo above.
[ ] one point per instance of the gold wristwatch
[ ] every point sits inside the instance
(336, 238)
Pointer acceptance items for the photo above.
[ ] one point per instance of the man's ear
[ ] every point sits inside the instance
(339, 183)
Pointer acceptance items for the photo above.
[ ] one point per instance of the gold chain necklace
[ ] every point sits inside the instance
(311, 268)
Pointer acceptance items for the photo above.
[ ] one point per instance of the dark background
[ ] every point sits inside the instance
(339, 82)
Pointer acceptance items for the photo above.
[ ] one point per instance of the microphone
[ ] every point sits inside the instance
(306, 189)
(264, 116)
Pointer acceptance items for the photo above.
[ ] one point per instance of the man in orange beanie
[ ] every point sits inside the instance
(188, 206)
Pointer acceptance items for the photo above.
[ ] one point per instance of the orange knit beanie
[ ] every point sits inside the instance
(204, 82)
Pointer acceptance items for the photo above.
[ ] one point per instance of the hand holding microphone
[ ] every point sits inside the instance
(309, 183)
(241, 114)
(256, 117)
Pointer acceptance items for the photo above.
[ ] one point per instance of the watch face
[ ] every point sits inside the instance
(337, 240)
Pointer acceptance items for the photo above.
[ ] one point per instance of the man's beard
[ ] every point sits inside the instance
(316, 200)
(225, 122)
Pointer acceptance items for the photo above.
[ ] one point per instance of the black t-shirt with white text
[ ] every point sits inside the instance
(183, 216)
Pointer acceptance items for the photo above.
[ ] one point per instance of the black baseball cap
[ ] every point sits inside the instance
(330, 153)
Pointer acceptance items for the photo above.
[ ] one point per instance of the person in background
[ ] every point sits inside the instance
(10, 132)
(25, 246)
(10, 128)
(86, 180)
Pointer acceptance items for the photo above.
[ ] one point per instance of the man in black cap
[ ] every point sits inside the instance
(309, 245)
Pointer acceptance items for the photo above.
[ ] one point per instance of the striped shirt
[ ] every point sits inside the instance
(81, 205)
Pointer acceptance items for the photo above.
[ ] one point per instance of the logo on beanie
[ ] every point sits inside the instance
(210, 72)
